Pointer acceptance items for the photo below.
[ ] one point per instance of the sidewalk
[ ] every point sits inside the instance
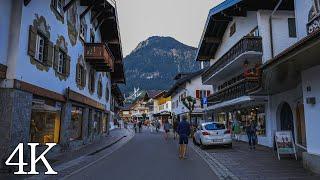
(242, 163)
(68, 162)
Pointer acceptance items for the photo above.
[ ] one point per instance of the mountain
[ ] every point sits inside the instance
(153, 64)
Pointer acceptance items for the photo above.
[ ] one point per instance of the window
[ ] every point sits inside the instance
(292, 27)
(39, 48)
(81, 76)
(76, 123)
(92, 36)
(45, 121)
(60, 5)
(61, 62)
(232, 29)
(83, 30)
(254, 33)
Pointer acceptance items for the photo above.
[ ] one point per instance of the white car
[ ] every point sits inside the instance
(212, 133)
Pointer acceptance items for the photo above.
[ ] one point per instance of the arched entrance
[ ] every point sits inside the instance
(286, 118)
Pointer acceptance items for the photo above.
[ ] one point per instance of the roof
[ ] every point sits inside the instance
(183, 81)
(220, 16)
(153, 93)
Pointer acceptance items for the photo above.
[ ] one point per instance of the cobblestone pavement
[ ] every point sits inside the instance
(242, 163)
(148, 157)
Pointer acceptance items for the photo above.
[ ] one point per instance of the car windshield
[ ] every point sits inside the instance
(214, 126)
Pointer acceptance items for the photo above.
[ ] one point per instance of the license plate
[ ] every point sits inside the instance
(217, 140)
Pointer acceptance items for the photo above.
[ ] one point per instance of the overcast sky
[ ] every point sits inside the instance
(181, 19)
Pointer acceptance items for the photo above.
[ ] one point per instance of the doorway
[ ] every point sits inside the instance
(286, 118)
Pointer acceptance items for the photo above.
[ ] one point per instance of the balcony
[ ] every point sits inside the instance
(247, 49)
(237, 87)
(99, 56)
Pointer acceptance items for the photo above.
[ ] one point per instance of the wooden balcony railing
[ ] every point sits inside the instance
(241, 87)
(99, 56)
(246, 44)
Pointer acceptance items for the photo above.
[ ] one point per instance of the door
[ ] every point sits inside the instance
(286, 118)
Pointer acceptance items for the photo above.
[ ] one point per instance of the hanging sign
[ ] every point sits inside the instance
(285, 143)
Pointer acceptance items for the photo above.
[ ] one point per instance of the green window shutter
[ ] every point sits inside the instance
(67, 65)
(32, 41)
(49, 53)
(77, 74)
(56, 58)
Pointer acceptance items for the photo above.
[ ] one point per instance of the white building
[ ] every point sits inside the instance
(58, 60)
(189, 84)
(279, 41)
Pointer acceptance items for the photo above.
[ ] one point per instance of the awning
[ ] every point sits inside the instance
(240, 100)
(283, 72)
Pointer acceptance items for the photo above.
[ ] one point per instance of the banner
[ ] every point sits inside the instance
(285, 143)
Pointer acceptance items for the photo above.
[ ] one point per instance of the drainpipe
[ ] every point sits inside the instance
(271, 28)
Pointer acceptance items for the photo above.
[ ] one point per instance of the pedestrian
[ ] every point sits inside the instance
(236, 129)
(175, 128)
(140, 126)
(157, 126)
(184, 132)
(166, 128)
(135, 126)
(251, 131)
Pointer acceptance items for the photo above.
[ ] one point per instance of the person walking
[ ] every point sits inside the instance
(251, 131)
(140, 126)
(184, 132)
(157, 126)
(175, 128)
(236, 129)
(166, 128)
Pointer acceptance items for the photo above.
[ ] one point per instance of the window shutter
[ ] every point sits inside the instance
(48, 54)
(84, 77)
(208, 93)
(32, 41)
(56, 58)
(67, 67)
(197, 94)
(78, 79)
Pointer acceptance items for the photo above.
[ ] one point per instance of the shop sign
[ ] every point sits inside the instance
(285, 143)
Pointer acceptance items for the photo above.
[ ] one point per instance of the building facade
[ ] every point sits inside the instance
(162, 107)
(58, 62)
(189, 84)
(264, 68)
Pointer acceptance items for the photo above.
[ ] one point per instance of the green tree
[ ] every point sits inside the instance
(189, 103)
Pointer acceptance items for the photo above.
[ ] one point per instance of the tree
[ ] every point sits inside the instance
(189, 103)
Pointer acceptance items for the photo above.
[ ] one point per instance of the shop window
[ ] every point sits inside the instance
(76, 123)
(97, 122)
(232, 29)
(45, 121)
(105, 123)
(292, 27)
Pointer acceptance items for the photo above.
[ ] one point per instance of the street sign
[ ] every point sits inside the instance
(204, 100)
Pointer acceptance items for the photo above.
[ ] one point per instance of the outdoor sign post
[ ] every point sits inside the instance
(205, 106)
(285, 143)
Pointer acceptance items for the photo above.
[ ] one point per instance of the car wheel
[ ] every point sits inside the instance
(194, 141)
(202, 146)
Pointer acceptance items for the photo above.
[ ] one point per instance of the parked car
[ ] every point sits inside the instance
(212, 133)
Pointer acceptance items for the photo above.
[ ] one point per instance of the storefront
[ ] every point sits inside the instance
(45, 121)
(75, 128)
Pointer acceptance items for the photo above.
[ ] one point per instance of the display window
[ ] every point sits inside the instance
(75, 128)
(104, 123)
(45, 121)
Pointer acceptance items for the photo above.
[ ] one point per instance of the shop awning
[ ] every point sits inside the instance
(283, 72)
(238, 101)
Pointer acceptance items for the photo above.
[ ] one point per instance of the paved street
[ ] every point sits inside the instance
(148, 156)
